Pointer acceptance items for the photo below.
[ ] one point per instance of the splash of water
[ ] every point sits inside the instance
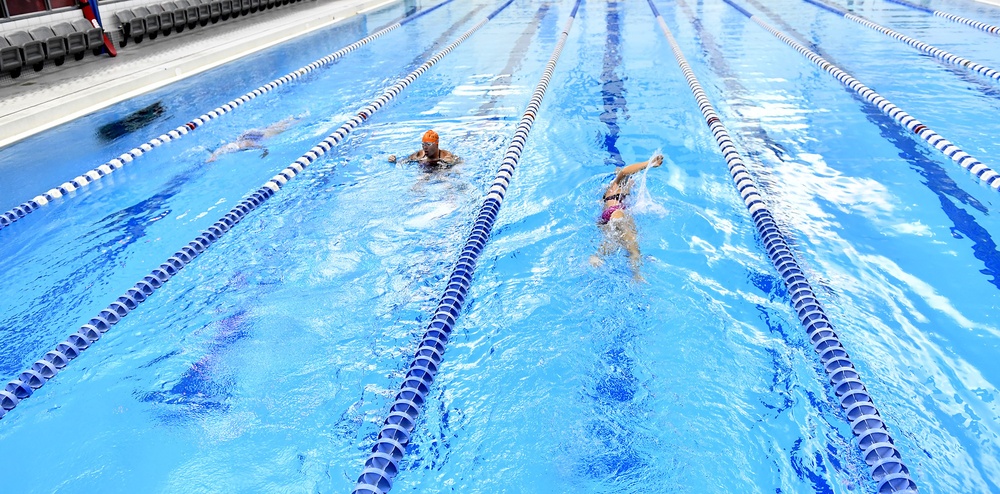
(644, 201)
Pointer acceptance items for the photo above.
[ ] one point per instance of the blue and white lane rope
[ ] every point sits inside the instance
(876, 444)
(52, 362)
(382, 464)
(920, 45)
(982, 26)
(11, 216)
(970, 164)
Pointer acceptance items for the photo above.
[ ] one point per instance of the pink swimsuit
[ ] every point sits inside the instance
(608, 211)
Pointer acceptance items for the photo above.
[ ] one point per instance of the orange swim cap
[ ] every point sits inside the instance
(430, 136)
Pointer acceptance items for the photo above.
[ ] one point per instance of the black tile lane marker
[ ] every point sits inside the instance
(41, 371)
(43, 199)
(920, 45)
(876, 444)
(612, 85)
(382, 464)
(982, 26)
(970, 164)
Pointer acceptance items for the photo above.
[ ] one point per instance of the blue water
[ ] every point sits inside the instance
(269, 362)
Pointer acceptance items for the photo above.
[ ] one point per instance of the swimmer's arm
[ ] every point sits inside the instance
(632, 169)
(450, 158)
(219, 152)
(409, 159)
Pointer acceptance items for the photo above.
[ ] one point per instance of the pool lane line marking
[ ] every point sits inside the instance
(612, 85)
(920, 45)
(52, 362)
(382, 464)
(876, 444)
(43, 199)
(517, 56)
(966, 161)
(982, 26)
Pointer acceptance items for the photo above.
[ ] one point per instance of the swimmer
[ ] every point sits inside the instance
(252, 139)
(617, 225)
(430, 154)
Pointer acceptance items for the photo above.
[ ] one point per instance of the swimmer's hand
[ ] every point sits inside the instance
(656, 161)
(392, 158)
(264, 154)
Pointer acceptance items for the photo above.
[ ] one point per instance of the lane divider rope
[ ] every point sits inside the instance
(18, 212)
(920, 45)
(52, 362)
(382, 464)
(970, 164)
(876, 444)
(982, 26)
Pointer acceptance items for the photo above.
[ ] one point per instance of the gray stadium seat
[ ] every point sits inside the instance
(32, 52)
(191, 11)
(164, 19)
(10, 59)
(204, 11)
(54, 46)
(95, 35)
(150, 21)
(215, 7)
(131, 26)
(178, 13)
(226, 9)
(76, 42)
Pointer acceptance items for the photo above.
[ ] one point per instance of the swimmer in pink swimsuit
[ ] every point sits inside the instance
(618, 226)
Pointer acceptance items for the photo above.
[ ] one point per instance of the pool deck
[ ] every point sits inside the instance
(37, 101)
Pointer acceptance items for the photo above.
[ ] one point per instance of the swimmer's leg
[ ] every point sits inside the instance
(607, 246)
(628, 236)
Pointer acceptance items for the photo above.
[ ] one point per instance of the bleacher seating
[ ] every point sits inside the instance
(95, 35)
(31, 52)
(76, 42)
(55, 43)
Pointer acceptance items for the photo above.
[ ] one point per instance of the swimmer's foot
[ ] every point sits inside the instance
(596, 261)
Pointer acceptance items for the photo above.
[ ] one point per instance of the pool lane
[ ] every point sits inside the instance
(874, 440)
(382, 465)
(956, 154)
(55, 360)
(85, 179)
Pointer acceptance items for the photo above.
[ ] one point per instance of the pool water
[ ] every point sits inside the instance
(268, 364)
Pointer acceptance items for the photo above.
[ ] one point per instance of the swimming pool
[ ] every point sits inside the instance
(268, 363)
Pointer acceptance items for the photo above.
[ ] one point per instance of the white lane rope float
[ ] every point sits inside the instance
(43, 199)
(920, 45)
(982, 26)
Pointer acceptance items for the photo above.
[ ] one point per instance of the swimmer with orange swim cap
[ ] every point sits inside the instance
(430, 153)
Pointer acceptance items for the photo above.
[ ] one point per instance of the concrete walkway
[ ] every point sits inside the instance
(37, 101)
